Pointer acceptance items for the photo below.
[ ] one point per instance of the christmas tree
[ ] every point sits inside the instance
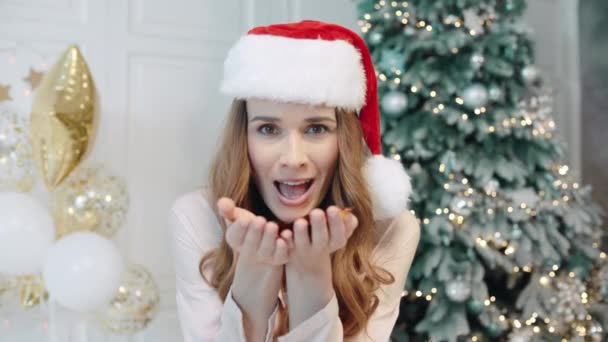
(511, 245)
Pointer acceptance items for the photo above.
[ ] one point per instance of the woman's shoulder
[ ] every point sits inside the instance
(192, 215)
(399, 231)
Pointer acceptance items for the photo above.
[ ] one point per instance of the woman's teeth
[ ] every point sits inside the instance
(293, 190)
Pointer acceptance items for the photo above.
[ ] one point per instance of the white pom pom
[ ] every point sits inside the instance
(389, 186)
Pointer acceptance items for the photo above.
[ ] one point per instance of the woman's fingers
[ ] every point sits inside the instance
(253, 237)
(320, 235)
(338, 234)
(287, 235)
(300, 234)
(281, 253)
(235, 235)
(267, 245)
(226, 208)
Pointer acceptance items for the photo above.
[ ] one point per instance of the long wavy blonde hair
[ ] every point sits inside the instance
(354, 277)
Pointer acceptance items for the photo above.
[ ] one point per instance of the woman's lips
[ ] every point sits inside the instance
(295, 201)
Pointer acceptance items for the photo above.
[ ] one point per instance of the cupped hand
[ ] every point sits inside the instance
(253, 237)
(329, 231)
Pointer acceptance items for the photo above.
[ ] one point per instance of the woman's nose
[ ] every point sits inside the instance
(294, 154)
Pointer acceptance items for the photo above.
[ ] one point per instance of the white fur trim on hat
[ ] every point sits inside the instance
(312, 71)
(389, 186)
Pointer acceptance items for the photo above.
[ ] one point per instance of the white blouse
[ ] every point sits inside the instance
(194, 230)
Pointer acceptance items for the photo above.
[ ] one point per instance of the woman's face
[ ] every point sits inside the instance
(293, 149)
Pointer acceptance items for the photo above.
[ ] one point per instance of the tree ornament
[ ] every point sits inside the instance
(409, 31)
(477, 60)
(461, 205)
(491, 187)
(375, 38)
(458, 290)
(391, 59)
(595, 331)
(523, 334)
(530, 74)
(516, 233)
(475, 96)
(393, 103)
(474, 306)
(495, 93)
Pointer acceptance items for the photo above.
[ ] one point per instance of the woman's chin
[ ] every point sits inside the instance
(287, 215)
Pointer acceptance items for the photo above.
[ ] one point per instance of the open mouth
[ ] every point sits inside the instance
(293, 192)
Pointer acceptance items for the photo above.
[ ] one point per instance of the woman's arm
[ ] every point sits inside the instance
(255, 290)
(193, 231)
(308, 292)
(395, 253)
(260, 254)
(311, 299)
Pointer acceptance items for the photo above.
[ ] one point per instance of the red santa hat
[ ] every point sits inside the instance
(319, 63)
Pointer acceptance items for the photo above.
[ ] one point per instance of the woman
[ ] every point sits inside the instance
(301, 235)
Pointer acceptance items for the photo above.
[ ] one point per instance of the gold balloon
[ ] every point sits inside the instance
(17, 171)
(30, 289)
(134, 305)
(90, 199)
(63, 117)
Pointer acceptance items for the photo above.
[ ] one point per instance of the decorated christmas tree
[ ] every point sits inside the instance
(511, 246)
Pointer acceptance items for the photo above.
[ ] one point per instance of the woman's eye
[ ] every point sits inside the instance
(268, 130)
(317, 129)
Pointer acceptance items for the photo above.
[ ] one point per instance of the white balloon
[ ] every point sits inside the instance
(26, 233)
(83, 271)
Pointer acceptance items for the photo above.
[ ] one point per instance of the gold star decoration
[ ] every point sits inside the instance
(34, 78)
(5, 93)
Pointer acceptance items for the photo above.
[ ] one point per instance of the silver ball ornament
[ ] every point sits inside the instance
(495, 93)
(375, 37)
(394, 103)
(530, 74)
(475, 96)
(477, 60)
(458, 290)
(461, 205)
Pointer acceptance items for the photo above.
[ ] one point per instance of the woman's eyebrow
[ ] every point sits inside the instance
(265, 119)
(275, 119)
(319, 119)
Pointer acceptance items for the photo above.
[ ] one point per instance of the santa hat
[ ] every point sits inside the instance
(319, 63)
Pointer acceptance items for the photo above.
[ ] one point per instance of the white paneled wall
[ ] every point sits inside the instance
(157, 65)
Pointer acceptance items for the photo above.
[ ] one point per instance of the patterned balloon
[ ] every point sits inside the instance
(17, 171)
(31, 290)
(62, 119)
(91, 199)
(134, 305)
